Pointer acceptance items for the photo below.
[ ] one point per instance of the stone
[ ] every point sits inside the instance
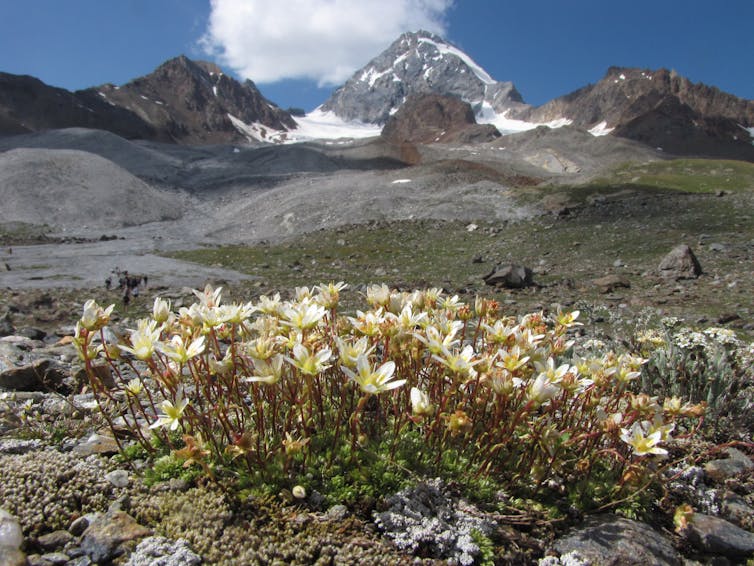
(32, 333)
(102, 371)
(609, 540)
(163, 552)
(511, 276)
(736, 463)
(6, 325)
(55, 558)
(40, 375)
(610, 283)
(12, 557)
(119, 478)
(20, 446)
(103, 538)
(718, 536)
(97, 444)
(54, 540)
(79, 525)
(680, 263)
(11, 535)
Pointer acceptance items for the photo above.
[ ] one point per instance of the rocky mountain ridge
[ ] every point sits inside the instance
(195, 103)
(182, 101)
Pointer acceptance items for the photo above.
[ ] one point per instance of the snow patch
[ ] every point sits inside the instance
(400, 181)
(214, 90)
(447, 49)
(750, 130)
(326, 125)
(257, 131)
(505, 125)
(601, 129)
(622, 77)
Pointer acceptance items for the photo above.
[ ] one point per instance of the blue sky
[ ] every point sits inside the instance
(298, 50)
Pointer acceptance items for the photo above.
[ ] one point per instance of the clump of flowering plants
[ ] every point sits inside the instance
(294, 390)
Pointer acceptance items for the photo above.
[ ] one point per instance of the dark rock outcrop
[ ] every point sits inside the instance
(609, 540)
(192, 102)
(182, 101)
(28, 105)
(659, 108)
(433, 118)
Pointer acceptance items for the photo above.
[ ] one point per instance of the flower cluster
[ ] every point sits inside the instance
(276, 382)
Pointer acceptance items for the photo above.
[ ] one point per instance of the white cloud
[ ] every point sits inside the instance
(323, 40)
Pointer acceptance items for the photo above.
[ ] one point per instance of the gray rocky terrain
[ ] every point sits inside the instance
(146, 197)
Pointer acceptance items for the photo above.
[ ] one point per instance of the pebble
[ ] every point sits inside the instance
(119, 478)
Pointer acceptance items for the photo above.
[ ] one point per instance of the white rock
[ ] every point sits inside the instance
(10, 530)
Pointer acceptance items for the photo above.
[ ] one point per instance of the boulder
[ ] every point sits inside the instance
(680, 263)
(41, 375)
(511, 276)
(717, 536)
(610, 540)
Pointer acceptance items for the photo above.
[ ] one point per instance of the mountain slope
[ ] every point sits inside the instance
(418, 63)
(182, 101)
(196, 103)
(28, 105)
(75, 188)
(659, 108)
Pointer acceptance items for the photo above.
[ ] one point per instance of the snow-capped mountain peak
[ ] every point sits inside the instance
(418, 62)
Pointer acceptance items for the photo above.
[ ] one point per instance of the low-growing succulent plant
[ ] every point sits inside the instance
(291, 393)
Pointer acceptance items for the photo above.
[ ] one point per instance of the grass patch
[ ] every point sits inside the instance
(687, 175)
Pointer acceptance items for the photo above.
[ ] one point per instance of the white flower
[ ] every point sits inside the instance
(267, 371)
(144, 339)
(177, 351)
(160, 310)
(310, 363)
(641, 442)
(372, 380)
(94, 316)
(420, 405)
(172, 412)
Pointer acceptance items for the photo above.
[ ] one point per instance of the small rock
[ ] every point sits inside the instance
(609, 539)
(103, 538)
(78, 526)
(160, 550)
(718, 536)
(54, 540)
(119, 478)
(55, 558)
(11, 535)
(680, 263)
(716, 247)
(511, 276)
(720, 470)
(618, 263)
(609, 283)
(19, 446)
(12, 557)
(96, 444)
(6, 325)
(337, 513)
(32, 333)
(41, 375)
